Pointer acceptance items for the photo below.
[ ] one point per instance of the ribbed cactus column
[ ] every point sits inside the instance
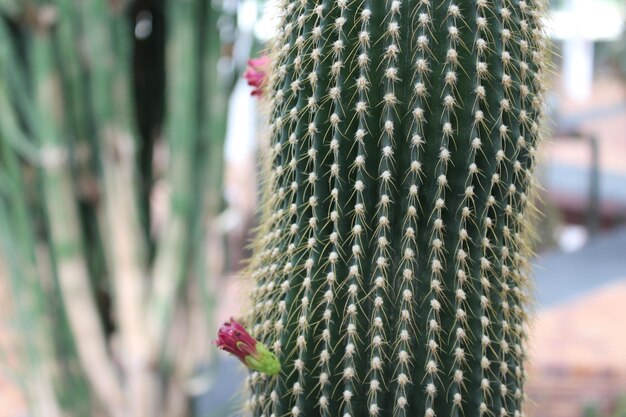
(392, 258)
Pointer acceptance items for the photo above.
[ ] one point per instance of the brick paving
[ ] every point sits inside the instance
(578, 354)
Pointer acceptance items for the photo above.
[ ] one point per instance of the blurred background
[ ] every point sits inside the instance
(139, 108)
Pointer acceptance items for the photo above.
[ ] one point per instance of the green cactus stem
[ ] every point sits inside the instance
(391, 264)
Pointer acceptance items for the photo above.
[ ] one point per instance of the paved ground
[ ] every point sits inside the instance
(578, 354)
(563, 276)
(584, 335)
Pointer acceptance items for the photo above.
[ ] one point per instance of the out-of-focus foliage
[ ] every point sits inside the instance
(112, 122)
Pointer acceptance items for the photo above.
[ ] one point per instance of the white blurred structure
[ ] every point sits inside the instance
(579, 25)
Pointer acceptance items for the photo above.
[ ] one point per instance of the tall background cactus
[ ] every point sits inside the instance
(391, 263)
(111, 303)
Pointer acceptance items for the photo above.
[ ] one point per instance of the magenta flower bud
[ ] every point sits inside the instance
(256, 74)
(233, 338)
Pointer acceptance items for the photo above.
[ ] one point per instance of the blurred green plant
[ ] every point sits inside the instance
(620, 407)
(591, 410)
(618, 410)
(110, 302)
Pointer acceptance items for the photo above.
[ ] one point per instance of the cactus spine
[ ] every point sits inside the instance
(391, 264)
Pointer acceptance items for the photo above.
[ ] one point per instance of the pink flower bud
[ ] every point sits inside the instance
(233, 338)
(256, 74)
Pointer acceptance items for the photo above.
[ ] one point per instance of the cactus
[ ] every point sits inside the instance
(104, 293)
(391, 261)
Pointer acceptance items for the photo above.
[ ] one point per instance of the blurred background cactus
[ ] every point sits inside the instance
(392, 259)
(112, 123)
